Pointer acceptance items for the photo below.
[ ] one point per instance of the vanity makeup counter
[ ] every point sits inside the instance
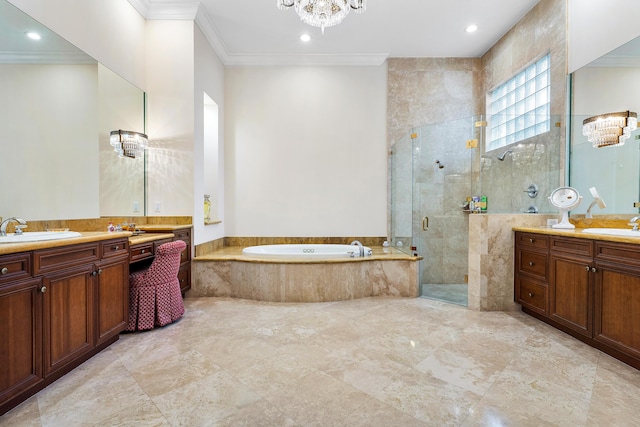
(587, 285)
(143, 248)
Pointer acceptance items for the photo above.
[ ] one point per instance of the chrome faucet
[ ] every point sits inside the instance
(633, 222)
(3, 226)
(355, 242)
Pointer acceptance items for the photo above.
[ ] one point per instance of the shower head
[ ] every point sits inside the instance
(501, 156)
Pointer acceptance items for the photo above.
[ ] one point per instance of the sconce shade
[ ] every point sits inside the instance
(128, 143)
(610, 129)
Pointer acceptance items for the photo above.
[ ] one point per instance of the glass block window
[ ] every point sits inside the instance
(520, 107)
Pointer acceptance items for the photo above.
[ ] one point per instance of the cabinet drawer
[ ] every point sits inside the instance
(573, 246)
(533, 263)
(532, 240)
(112, 248)
(47, 260)
(627, 254)
(15, 266)
(140, 252)
(532, 295)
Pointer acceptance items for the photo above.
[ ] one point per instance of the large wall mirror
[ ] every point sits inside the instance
(57, 109)
(608, 84)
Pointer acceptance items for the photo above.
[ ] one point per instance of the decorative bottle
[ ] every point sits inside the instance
(207, 208)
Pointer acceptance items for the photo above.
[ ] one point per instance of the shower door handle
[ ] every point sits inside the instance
(425, 223)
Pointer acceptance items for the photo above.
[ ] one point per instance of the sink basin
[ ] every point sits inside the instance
(626, 232)
(37, 236)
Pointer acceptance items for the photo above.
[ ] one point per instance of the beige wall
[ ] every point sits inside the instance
(170, 116)
(209, 79)
(305, 151)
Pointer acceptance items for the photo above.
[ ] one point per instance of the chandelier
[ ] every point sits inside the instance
(323, 13)
(610, 129)
(128, 143)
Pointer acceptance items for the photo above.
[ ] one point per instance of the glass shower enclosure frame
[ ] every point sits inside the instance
(434, 173)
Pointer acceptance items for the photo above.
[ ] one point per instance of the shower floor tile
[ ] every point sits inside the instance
(451, 293)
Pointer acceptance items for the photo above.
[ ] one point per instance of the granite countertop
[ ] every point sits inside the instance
(149, 237)
(578, 232)
(234, 253)
(87, 237)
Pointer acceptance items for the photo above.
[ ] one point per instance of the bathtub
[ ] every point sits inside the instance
(305, 251)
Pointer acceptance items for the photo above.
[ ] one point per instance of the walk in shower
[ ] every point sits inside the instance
(432, 175)
(435, 168)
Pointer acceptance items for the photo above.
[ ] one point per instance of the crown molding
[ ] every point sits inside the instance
(166, 9)
(46, 58)
(306, 60)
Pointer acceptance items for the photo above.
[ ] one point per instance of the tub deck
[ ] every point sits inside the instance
(234, 253)
(227, 272)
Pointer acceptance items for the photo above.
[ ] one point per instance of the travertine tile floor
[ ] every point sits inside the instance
(370, 362)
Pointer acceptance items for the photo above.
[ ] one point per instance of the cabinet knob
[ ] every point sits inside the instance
(115, 248)
(532, 240)
(142, 251)
(43, 289)
(531, 263)
(4, 270)
(530, 295)
(593, 269)
(99, 271)
(587, 268)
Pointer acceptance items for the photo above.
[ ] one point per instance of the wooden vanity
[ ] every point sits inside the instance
(64, 301)
(61, 302)
(583, 284)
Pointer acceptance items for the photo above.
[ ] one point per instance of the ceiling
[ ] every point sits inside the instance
(257, 32)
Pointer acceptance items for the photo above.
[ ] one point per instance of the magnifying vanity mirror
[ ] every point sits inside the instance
(57, 108)
(608, 84)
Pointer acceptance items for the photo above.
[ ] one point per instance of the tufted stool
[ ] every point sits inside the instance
(154, 293)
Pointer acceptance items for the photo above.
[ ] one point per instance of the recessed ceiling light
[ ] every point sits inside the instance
(305, 38)
(471, 28)
(33, 36)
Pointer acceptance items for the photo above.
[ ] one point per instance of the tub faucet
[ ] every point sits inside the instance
(355, 242)
(3, 226)
(633, 222)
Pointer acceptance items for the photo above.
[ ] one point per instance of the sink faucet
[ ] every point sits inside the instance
(355, 242)
(633, 222)
(3, 226)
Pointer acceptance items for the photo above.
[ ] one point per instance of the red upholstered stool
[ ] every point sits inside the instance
(154, 294)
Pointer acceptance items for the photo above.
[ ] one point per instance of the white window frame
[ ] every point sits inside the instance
(520, 108)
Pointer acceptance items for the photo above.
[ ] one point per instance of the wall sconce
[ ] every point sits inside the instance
(128, 143)
(609, 129)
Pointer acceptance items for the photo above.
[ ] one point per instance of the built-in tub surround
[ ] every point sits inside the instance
(228, 273)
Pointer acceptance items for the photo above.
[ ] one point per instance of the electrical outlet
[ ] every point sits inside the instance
(136, 206)
(551, 222)
(157, 207)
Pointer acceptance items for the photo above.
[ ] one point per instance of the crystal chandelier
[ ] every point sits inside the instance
(610, 129)
(323, 13)
(128, 143)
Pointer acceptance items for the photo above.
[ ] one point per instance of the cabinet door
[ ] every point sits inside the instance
(20, 339)
(571, 293)
(617, 308)
(112, 288)
(68, 316)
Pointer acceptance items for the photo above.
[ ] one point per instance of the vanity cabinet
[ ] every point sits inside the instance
(58, 307)
(571, 283)
(585, 287)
